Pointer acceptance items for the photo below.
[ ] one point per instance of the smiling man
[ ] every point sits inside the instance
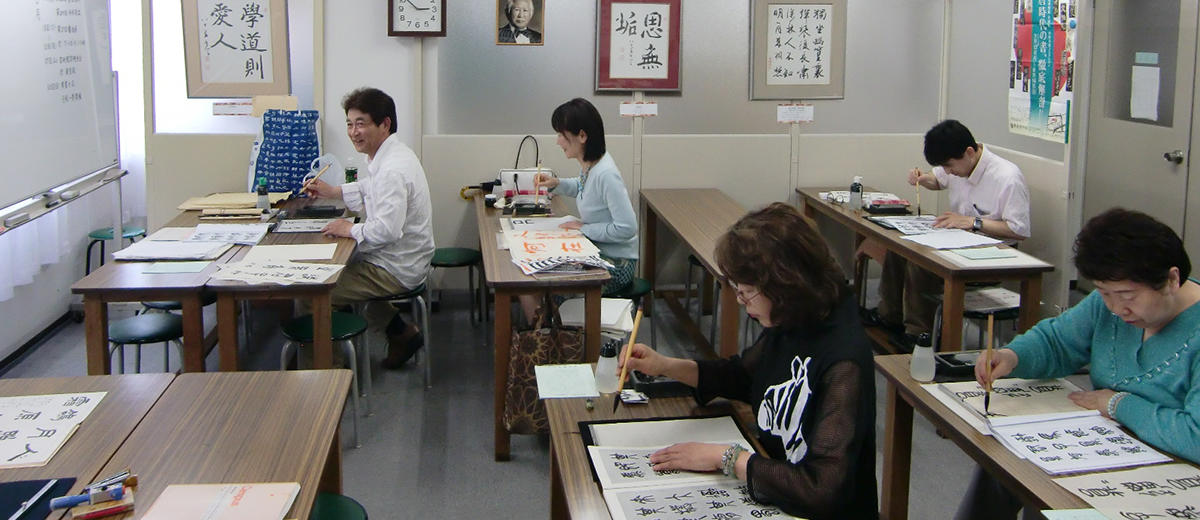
(519, 14)
(395, 237)
(987, 195)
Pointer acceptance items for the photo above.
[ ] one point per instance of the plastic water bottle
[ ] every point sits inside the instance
(921, 367)
(264, 202)
(606, 369)
(856, 193)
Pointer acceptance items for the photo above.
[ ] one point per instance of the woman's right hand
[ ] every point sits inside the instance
(1003, 362)
(545, 179)
(644, 359)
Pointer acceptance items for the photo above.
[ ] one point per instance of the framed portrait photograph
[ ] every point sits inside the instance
(797, 49)
(236, 48)
(637, 45)
(520, 22)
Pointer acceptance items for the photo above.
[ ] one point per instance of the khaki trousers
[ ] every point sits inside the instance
(904, 292)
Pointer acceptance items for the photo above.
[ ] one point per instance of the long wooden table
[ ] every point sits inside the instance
(121, 281)
(228, 427)
(1030, 483)
(507, 280)
(128, 399)
(955, 276)
(698, 217)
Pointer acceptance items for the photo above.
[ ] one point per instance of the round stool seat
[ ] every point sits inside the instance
(173, 305)
(456, 257)
(412, 293)
(332, 506)
(146, 328)
(344, 326)
(637, 288)
(107, 233)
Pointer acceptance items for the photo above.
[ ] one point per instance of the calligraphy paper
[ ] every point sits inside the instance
(1166, 491)
(282, 272)
(277, 253)
(639, 47)
(726, 499)
(1076, 444)
(304, 225)
(34, 427)
(247, 234)
(798, 44)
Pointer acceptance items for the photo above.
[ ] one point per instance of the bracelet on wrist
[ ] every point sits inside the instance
(1113, 402)
(729, 459)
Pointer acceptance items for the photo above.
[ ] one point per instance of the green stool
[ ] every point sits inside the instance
(332, 506)
(345, 327)
(145, 328)
(640, 291)
(103, 234)
(471, 259)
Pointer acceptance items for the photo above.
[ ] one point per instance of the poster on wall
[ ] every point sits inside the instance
(235, 48)
(1041, 68)
(637, 45)
(797, 49)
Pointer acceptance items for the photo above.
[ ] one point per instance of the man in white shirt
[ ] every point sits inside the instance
(395, 237)
(987, 195)
(517, 30)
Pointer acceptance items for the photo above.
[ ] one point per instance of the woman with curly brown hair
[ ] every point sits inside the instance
(808, 377)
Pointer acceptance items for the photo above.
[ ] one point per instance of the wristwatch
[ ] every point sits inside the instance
(978, 225)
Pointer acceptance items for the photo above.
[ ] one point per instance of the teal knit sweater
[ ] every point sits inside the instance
(1161, 374)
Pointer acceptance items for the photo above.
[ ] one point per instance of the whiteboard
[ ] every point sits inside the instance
(57, 108)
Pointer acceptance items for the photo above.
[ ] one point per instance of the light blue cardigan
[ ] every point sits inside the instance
(1161, 374)
(608, 217)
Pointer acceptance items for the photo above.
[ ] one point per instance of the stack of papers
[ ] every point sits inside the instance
(230, 200)
(283, 273)
(909, 224)
(171, 234)
(952, 239)
(166, 250)
(1166, 491)
(304, 225)
(558, 250)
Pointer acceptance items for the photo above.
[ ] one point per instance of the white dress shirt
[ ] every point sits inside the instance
(995, 190)
(397, 233)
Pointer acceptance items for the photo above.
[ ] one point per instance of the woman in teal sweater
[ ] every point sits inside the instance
(1139, 330)
(608, 219)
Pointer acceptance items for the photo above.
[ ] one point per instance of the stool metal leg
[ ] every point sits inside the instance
(365, 352)
(350, 354)
(936, 333)
(137, 358)
(712, 328)
(423, 302)
(471, 285)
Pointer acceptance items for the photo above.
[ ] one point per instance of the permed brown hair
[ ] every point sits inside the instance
(779, 251)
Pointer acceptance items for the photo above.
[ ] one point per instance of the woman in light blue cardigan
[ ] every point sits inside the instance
(1140, 332)
(608, 217)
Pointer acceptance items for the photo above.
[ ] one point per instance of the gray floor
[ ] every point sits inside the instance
(428, 453)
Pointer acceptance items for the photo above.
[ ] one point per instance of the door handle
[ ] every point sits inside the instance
(1175, 156)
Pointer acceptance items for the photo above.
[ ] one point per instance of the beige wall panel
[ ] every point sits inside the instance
(180, 166)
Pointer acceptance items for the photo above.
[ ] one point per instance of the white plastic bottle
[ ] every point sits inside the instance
(921, 366)
(856, 193)
(606, 369)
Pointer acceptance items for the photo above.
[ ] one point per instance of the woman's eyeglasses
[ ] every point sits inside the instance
(744, 296)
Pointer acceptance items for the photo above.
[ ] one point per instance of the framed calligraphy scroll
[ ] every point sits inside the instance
(637, 45)
(797, 49)
(235, 48)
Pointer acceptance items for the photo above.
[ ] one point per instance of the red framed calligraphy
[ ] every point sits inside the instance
(637, 45)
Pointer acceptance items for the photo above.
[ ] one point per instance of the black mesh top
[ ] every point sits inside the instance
(813, 391)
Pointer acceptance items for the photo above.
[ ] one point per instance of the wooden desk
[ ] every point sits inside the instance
(120, 281)
(507, 280)
(573, 493)
(229, 292)
(90, 447)
(1029, 483)
(235, 427)
(955, 276)
(699, 217)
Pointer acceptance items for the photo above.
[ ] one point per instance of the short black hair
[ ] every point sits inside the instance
(1122, 244)
(373, 102)
(579, 115)
(947, 140)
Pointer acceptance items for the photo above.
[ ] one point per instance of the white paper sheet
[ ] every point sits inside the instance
(539, 223)
(665, 433)
(176, 267)
(1020, 259)
(172, 233)
(304, 225)
(1078, 444)
(34, 427)
(559, 381)
(1143, 93)
(166, 250)
(985, 253)
(293, 252)
(283, 272)
(246, 234)
(1166, 491)
(613, 311)
(952, 239)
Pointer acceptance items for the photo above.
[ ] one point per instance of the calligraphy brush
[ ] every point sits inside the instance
(317, 176)
(918, 190)
(987, 396)
(637, 320)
